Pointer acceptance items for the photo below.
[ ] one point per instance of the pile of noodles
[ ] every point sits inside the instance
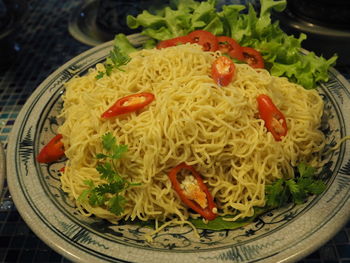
(215, 129)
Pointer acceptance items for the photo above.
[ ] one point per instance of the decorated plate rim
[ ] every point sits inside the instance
(291, 254)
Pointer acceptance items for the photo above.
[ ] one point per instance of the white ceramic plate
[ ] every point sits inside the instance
(287, 234)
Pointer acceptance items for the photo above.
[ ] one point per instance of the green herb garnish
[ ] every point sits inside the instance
(109, 194)
(279, 193)
(100, 75)
(294, 190)
(115, 60)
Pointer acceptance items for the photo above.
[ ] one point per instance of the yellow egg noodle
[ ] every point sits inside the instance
(215, 129)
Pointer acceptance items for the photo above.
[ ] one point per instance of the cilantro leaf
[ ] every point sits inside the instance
(116, 204)
(109, 67)
(95, 198)
(294, 190)
(305, 170)
(118, 151)
(110, 145)
(316, 187)
(118, 56)
(276, 195)
(109, 194)
(112, 188)
(297, 191)
(108, 141)
(84, 195)
(100, 75)
(106, 171)
(101, 156)
(89, 183)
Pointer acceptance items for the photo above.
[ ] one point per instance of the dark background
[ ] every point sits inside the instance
(37, 46)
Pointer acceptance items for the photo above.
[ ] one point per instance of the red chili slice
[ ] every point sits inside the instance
(253, 57)
(174, 42)
(223, 70)
(229, 46)
(129, 104)
(204, 38)
(275, 122)
(52, 151)
(209, 212)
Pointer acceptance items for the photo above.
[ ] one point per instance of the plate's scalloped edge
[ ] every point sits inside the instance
(335, 224)
(327, 232)
(13, 183)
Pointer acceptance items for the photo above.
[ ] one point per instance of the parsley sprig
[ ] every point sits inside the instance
(108, 194)
(294, 190)
(278, 194)
(116, 60)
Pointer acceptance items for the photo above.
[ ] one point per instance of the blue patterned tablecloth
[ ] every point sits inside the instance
(42, 44)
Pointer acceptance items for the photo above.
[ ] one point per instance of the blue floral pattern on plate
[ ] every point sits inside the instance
(287, 233)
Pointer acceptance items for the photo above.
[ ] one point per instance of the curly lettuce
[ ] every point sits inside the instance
(281, 52)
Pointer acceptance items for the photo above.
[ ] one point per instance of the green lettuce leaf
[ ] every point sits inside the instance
(168, 22)
(281, 52)
(220, 224)
(121, 41)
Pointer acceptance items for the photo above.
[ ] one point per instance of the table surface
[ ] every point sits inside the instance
(42, 44)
